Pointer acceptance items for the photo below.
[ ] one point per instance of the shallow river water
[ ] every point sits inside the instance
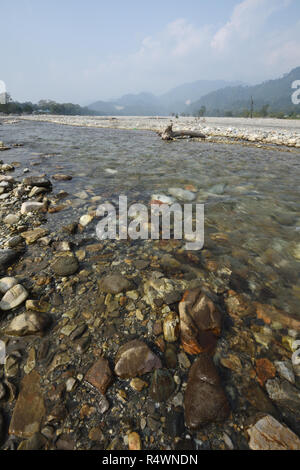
(250, 263)
(251, 195)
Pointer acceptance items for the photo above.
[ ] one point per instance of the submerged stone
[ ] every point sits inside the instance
(39, 181)
(29, 409)
(269, 434)
(200, 321)
(7, 257)
(65, 264)
(204, 401)
(134, 359)
(162, 385)
(99, 375)
(115, 283)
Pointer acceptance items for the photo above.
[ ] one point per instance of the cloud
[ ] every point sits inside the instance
(251, 46)
(248, 18)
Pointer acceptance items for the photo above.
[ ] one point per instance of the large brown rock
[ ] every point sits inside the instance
(269, 434)
(99, 375)
(204, 400)
(200, 321)
(134, 359)
(29, 409)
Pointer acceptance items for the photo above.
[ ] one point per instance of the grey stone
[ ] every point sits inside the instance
(115, 283)
(65, 264)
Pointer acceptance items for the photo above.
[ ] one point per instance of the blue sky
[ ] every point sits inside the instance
(82, 51)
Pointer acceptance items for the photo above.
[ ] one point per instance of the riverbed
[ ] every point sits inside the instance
(250, 261)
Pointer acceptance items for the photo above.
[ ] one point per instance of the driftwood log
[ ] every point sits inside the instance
(169, 134)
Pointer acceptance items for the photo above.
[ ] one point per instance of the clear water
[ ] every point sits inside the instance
(251, 195)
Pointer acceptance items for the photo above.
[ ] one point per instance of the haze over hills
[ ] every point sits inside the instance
(174, 101)
(273, 96)
(215, 98)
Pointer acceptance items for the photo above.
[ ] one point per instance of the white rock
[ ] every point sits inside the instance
(11, 219)
(70, 383)
(7, 283)
(85, 219)
(163, 198)
(182, 194)
(13, 297)
(30, 206)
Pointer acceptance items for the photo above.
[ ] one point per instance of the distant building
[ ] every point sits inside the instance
(3, 98)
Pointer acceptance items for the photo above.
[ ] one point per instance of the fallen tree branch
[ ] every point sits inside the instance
(169, 134)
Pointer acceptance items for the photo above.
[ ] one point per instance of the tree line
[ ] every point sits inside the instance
(44, 106)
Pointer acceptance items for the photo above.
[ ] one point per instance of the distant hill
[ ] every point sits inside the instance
(147, 104)
(274, 95)
(177, 100)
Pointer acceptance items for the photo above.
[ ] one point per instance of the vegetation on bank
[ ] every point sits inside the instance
(263, 112)
(44, 107)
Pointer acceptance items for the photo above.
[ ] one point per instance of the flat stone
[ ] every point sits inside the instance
(100, 375)
(115, 283)
(32, 236)
(269, 434)
(39, 181)
(270, 314)
(35, 191)
(200, 321)
(61, 177)
(14, 297)
(287, 398)
(9, 179)
(162, 385)
(29, 409)
(134, 359)
(7, 283)
(12, 242)
(32, 206)
(65, 264)
(28, 323)
(204, 401)
(285, 370)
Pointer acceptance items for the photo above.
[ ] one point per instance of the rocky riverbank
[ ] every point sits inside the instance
(117, 345)
(253, 131)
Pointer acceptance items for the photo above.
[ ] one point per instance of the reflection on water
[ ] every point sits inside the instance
(251, 195)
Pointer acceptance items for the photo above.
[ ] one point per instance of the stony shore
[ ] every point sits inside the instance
(259, 131)
(129, 346)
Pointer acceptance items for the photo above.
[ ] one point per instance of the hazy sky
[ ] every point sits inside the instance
(82, 51)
